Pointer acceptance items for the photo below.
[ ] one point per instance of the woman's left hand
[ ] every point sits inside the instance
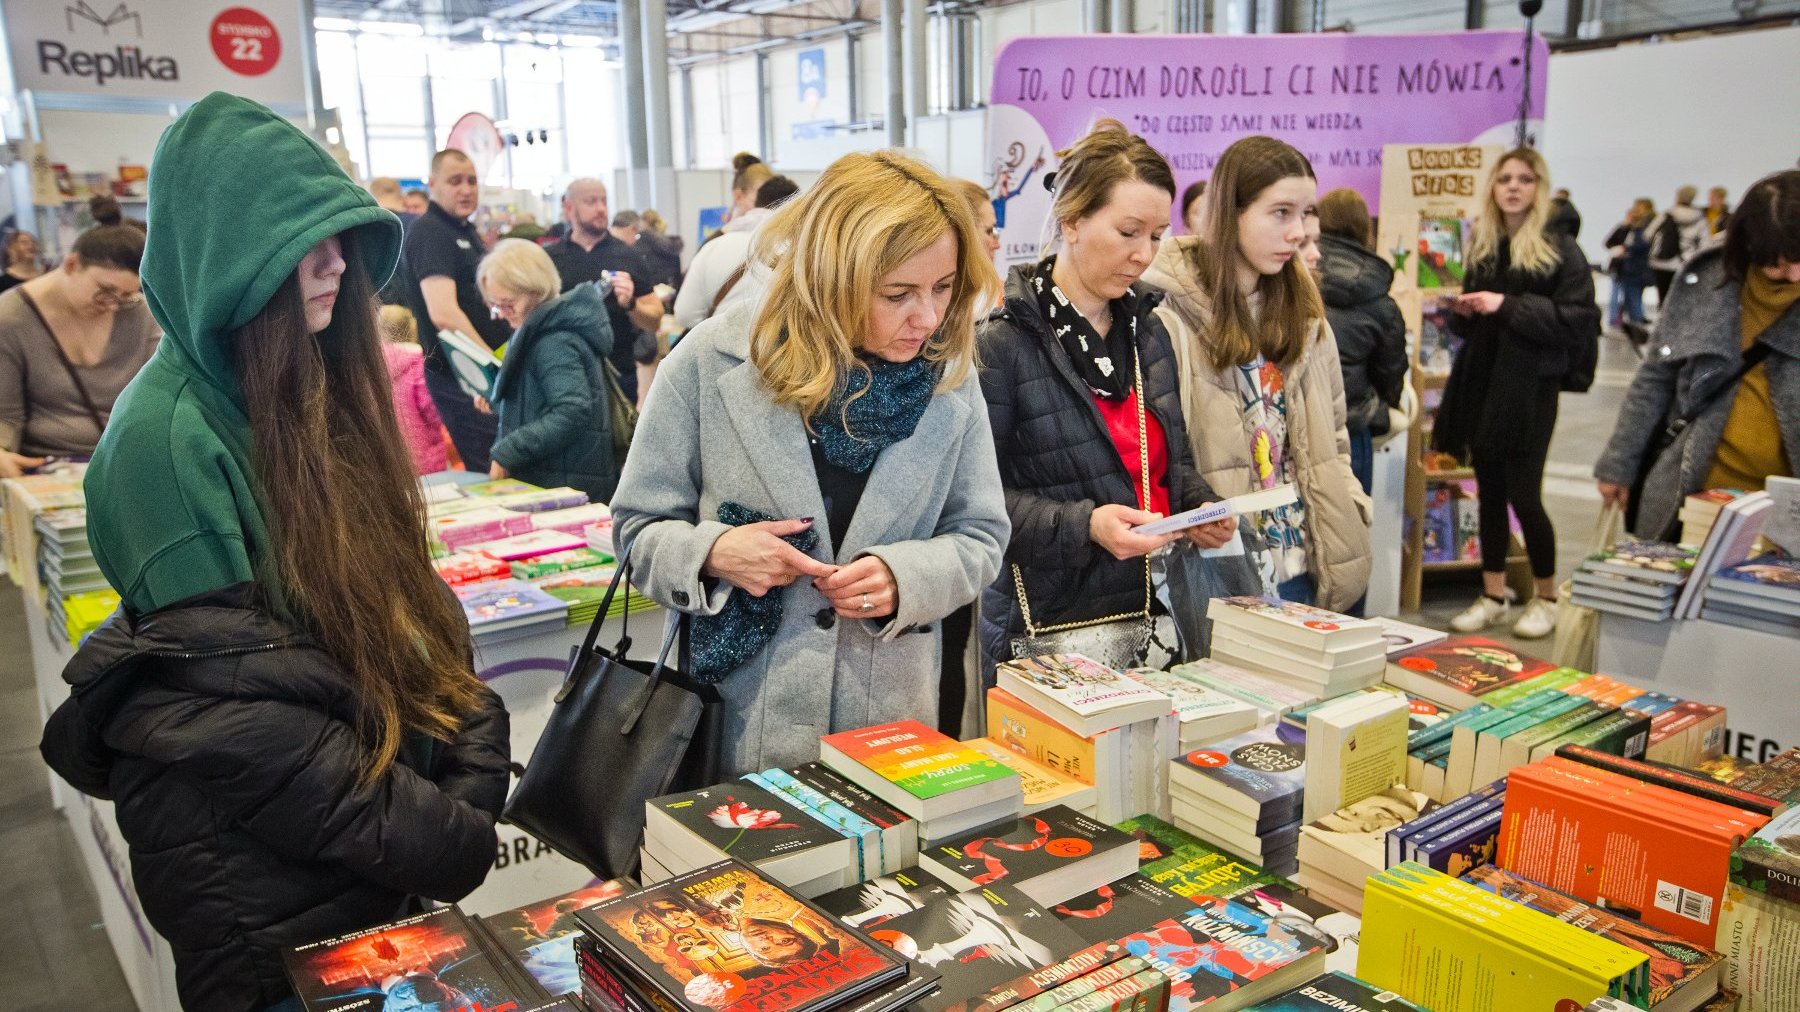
(1481, 303)
(1213, 535)
(867, 580)
(497, 471)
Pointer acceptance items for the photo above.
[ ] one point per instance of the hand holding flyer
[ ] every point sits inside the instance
(1252, 502)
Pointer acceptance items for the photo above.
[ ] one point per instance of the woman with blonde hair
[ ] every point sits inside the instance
(1261, 388)
(1081, 394)
(981, 205)
(550, 394)
(824, 488)
(1528, 319)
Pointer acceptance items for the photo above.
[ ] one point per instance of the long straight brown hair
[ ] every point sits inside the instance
(349, 559)
(1290, 301)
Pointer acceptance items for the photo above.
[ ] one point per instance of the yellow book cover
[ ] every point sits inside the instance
(1042, 785)
(1022, 729)
(1457, 952)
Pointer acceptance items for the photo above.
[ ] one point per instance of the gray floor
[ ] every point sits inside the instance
(54, 955)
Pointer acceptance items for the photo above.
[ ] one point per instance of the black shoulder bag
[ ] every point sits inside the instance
(621, 732)
(1677, 424)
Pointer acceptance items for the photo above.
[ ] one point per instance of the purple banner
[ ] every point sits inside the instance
(1336, 97)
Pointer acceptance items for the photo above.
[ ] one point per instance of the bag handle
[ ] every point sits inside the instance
(1753, 356)
(578, 663)
(1034, 630)
(677, 632)
(1606, 528)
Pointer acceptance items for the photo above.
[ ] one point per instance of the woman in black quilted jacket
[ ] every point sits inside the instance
(1081, 391)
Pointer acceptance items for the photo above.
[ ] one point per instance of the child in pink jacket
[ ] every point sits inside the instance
(419, 422)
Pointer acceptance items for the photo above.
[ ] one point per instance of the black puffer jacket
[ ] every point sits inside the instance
(1057, 462)
(1371, 336)
(226, 741)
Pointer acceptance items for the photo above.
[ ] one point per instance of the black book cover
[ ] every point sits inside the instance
(432, 960)
(979, 940)
(867, 904)
(726, 938)
(745, 821)
(820, 778)
(608, 986)
(1119, 908)
(1019, 851)
(539, 937)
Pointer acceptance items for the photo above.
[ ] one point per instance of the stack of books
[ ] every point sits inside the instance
(530, 499)
(727, 938)
(1305, 646)
(74, 590)
(1761, 594)
(1357, 745)
(1638, 579)
(1701, 510)
(1736, 536)
(1273, 697)
(1453, 838)
(1244, 794)
(1459, 671)
(440, 956)
(945, 786)
(1683, 976)
(1566, 825)
(1053, 856)
(540, 937)
(1403, 636)
(1778, 779)
(792, 832)
(978, 941)
(1454, 947)
(573, 520)
(477, 524)
(510, 609)
(1091, 723)
(1338, 990)
(530, 545)
(460, 569)
(1188, 866)
(1759, 924)
(1202, 714)
(1345, 847)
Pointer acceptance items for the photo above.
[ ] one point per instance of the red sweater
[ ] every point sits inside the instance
(1122, 424)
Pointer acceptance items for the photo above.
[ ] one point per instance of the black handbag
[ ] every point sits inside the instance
(1670, 434)
(621, 732)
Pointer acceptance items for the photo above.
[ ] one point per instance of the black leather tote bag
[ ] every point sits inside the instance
(620, 733)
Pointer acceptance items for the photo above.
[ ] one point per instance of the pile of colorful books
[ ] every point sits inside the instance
(1085, 721)
(1761, 594)
(1244, 794)
(942, 784)
(1638, 579)
(1305, 646)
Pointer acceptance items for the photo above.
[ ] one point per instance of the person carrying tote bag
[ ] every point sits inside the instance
(651, 729)
(1082, 397)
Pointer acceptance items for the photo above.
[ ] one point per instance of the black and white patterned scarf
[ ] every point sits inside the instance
(1104, 363)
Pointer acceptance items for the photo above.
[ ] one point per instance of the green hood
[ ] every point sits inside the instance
(238, 196)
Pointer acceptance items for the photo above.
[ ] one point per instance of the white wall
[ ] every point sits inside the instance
(1642, 120)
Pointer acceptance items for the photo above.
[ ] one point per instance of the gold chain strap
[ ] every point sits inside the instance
(1034, 630)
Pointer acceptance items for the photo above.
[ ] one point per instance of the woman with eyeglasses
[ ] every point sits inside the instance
(70, 340)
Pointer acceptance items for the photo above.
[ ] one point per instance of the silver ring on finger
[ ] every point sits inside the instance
(866, 606)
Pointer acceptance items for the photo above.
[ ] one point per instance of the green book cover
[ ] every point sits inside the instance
(1441, 731)
(1188, 866)
(1622, 733)
(1557, 678)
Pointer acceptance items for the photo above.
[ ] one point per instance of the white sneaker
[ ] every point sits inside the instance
(1483, 613)
(1538, 621)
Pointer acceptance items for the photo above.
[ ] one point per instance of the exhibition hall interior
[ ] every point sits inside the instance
(900, 505)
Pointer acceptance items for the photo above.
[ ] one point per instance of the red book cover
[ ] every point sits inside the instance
(1634, 848)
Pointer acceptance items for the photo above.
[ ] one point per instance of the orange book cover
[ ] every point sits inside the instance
(1591, 686)
(1619, 695)
(1632, 847)
(1016, 725)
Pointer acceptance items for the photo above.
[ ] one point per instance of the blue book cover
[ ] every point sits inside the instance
(1457, 851)
(508, 602)
(1260, 772)
(1398, 837)
(859, 830)
(1774, 576)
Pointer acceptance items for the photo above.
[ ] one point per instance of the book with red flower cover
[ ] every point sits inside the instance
(1458, 671)
(729, 939)
(1118, 908)
(741, 820)
(1223, 956)
(1676, 964)
(979, 940)
(1052, 856)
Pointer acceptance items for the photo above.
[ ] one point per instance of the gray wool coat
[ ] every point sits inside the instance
(933, 511)
(1697, 346)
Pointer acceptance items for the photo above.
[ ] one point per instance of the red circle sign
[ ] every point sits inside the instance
(245, 41)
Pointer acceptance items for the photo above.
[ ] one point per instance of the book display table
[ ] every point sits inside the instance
(1754, 675)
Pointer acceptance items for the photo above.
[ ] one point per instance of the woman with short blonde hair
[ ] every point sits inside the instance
(551, 391)
(824, 489)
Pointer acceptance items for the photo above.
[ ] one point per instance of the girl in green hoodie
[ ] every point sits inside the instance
(283, 710)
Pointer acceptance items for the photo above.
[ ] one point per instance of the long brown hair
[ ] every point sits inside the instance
(1343, 213)
(1290, 300)
(345, 517)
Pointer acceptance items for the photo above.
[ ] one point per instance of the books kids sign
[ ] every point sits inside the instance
(178, 50)
(1338, 98)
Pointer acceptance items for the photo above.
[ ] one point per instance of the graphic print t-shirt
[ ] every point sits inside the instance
(1263, 397)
